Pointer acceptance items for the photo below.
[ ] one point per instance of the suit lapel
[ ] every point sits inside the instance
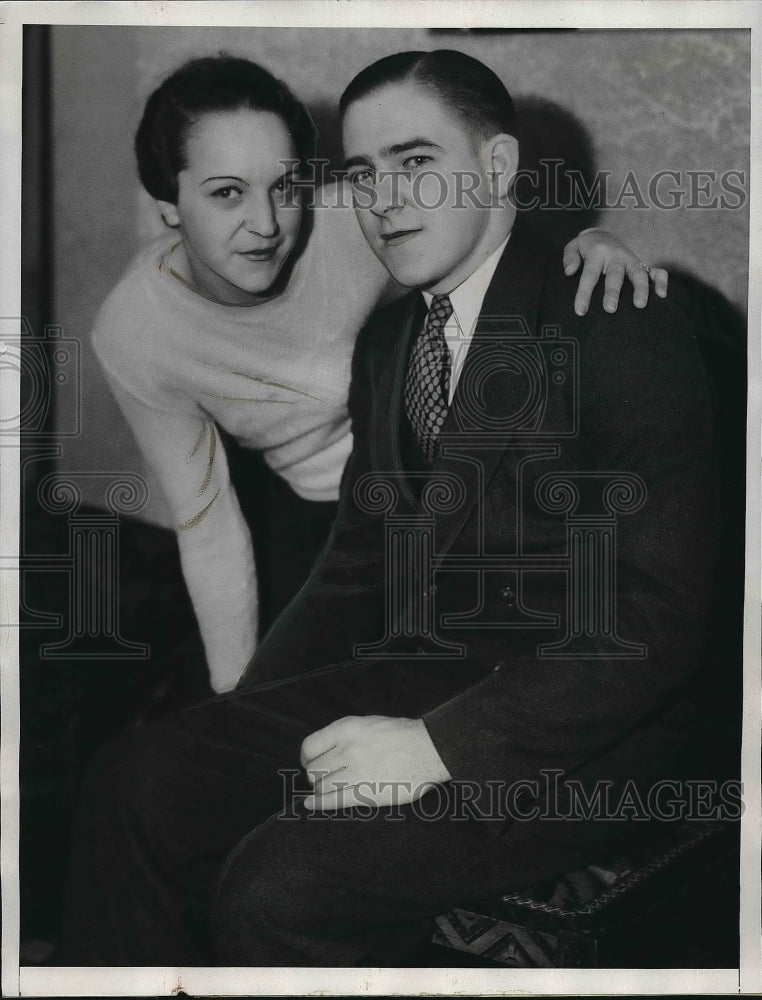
(388, 382)
(477, 431)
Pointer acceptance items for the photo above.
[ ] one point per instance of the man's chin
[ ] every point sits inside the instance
(408, 277)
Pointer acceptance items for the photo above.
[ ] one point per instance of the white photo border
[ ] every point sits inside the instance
(51, 981)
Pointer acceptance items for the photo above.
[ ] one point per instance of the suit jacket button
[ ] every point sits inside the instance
(508, 596)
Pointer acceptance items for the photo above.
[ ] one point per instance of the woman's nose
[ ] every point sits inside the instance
(260, 218)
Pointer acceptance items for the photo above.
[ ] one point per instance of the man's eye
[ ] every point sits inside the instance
(227, 193)
(420, 160)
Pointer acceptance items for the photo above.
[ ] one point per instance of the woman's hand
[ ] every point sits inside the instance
(603, 253)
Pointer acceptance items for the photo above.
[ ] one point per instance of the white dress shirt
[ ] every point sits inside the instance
(466, 302)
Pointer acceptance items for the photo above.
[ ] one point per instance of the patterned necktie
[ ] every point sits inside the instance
(427, 384)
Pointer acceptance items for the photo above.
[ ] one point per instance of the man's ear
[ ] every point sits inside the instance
(501, 155)
(169, 213)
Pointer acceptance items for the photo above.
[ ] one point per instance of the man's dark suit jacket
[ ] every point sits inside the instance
(542, 392)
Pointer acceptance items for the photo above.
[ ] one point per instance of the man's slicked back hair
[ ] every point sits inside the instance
(202, 86)
(469, 88)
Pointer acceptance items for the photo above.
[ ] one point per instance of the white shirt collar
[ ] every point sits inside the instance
(467, 301)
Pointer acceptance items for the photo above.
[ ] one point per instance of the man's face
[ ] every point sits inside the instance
(420, 185)
(234, 208)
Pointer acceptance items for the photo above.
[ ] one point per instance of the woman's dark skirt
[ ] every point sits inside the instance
(288, 533)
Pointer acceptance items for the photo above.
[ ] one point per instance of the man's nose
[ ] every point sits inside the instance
(260, 216)
(387, 195)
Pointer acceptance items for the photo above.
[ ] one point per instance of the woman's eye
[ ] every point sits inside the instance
(227, 193)
(360, 177)
(284, 184)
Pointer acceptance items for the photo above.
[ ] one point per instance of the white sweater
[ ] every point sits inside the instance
(275, 375)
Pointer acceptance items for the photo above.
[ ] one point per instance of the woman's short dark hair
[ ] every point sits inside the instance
(476, 94)
(215, 83)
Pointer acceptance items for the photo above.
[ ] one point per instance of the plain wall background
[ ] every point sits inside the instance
(647, 101)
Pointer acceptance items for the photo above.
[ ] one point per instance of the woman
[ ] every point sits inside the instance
(242, 321)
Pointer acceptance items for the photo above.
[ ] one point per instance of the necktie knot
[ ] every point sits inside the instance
(440, 310)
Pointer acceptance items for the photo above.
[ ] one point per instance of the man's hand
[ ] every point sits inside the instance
(370, 759)
(604, 253)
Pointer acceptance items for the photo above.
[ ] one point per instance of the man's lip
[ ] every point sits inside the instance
(399, 236)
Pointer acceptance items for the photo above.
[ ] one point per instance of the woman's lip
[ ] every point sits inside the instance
(396, 239)
(258, 254)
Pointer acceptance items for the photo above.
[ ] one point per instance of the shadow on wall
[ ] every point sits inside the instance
(326, 118)
(554, 145)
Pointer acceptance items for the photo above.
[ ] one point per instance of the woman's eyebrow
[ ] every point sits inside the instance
(357, 161)
(224, 177)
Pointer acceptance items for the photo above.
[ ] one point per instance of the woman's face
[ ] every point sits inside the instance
(236, 206)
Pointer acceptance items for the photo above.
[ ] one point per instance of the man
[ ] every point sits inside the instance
(509, 611)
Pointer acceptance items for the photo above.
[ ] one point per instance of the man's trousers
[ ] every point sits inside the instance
(192, 845)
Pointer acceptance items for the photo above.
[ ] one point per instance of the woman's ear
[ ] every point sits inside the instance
(501, 154)
(169, 213)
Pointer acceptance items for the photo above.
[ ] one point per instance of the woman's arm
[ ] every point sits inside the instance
(188, 459)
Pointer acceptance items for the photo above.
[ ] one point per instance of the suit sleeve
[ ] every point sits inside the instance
(645, 409)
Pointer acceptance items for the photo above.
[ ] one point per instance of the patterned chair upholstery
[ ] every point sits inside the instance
(673, 906)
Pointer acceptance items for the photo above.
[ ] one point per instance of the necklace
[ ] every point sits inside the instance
(189, 284)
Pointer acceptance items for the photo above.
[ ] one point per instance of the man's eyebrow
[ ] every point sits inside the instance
(405, 147)
(399, 147)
